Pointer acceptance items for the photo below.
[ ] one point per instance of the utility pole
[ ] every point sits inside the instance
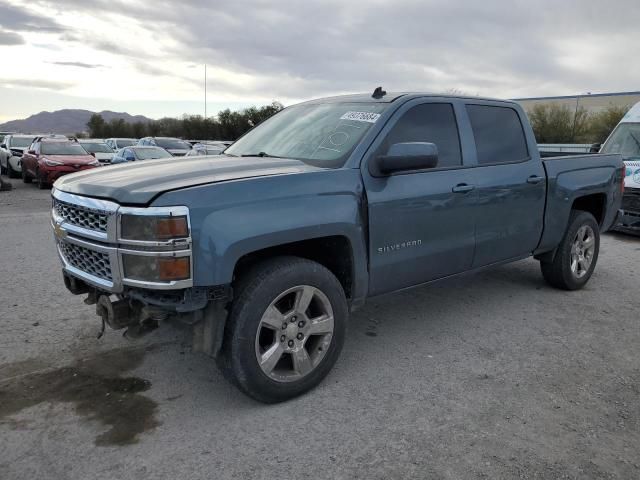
(205, 91)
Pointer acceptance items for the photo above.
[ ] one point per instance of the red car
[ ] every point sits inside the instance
(49, 158)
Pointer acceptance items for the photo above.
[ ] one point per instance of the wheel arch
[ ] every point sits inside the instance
(595, 204)
(334, 252)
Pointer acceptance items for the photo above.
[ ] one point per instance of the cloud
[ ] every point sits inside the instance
(292, 50)
(22, 20)
(77, 64)
(11, 38)
(38, 84)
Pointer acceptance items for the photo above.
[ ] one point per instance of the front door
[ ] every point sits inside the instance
(420, 223)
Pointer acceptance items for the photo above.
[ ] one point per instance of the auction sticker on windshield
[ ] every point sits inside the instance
(361, 116)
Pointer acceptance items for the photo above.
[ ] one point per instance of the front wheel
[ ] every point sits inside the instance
(42, 183)
(285, 330)
(11, 173)
(25, 176)
(577, 253)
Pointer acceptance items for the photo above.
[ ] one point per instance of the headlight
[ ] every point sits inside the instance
(95, 163)
(52, 163)
(153, 228)
(156, 269)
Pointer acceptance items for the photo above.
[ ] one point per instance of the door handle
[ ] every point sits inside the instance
(462, 188)
(535, 179)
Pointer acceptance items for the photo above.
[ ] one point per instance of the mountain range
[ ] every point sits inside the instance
(67, 121)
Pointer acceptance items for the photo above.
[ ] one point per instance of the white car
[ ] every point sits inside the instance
(98, 148)
(11, 151)
(201, 149)
(118, 143)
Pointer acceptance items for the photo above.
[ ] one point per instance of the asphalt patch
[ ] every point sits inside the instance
(98, 390)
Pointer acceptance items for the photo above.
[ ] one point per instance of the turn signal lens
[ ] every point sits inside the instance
(156, 269)
(172, 227)
(173, 268)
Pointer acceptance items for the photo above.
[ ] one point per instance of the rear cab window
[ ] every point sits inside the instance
(498, 133)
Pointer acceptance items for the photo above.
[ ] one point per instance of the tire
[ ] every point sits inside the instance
(11, 172)
(25, 176)
(265, 303)
(574, 260)
(4, 170)
(42, 185)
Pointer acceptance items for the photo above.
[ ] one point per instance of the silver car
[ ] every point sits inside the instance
(11, 151)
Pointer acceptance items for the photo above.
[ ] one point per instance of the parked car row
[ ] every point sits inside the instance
(44, 158)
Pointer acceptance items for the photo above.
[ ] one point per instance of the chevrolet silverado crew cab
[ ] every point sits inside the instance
(266, 248)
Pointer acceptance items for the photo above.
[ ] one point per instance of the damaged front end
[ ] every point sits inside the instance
(134, 264)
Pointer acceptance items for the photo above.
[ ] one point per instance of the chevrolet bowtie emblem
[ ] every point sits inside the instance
(58, 231)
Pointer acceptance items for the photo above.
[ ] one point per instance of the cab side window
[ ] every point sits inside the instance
(498, 134)
(429, 122)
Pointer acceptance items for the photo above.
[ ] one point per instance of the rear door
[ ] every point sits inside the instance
(510, 182)
(421, 225)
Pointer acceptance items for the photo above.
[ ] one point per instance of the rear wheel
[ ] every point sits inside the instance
(285, 330)
(577, 253)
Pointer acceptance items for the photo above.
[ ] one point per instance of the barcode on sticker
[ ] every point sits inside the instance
(361, 116)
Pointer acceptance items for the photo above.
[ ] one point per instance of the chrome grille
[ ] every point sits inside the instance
(89, 261)
(81, 217)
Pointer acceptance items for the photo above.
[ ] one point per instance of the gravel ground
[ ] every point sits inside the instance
(494, 375)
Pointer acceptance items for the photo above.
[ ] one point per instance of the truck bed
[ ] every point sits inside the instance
(573, 176)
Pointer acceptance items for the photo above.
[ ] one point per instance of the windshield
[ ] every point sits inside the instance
(624, 140)
(96, 147)
(320, 134)
(62, 148)
(173, 143)
(125, 143)
(20, 142)
(150, 153)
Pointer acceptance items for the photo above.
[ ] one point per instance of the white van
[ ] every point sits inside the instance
(625, 139)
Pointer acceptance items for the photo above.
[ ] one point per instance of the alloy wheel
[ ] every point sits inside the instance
(582, 250)
(294, 333)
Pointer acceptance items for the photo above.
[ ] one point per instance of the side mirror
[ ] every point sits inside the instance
(404, 157)
(92, 154)
(32, 152)
(4, 145)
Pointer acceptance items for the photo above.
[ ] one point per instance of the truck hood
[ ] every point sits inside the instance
(138, 183)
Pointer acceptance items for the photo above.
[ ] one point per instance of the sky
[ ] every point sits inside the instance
(147, 57)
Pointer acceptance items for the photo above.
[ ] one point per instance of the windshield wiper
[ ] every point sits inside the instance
(260, 154)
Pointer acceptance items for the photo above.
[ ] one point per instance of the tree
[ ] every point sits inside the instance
(227, 125)
(96, 125)
(553, 123)
(603, 123)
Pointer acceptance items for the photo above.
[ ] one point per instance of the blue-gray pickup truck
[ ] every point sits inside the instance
(267, 248)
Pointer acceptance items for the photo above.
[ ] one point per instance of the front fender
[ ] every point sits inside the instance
(232, 219)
